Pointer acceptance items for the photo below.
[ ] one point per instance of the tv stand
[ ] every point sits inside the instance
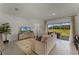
(25, 35)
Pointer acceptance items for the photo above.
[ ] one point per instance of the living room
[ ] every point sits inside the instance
(34, 18)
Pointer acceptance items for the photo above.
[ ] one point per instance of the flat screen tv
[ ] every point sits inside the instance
(25, 28)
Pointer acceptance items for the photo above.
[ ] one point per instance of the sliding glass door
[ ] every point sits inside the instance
(61, 29)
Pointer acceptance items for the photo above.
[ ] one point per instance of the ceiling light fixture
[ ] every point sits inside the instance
(53, 14)
(16, 9)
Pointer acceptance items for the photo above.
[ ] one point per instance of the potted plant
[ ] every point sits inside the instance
(5, 30)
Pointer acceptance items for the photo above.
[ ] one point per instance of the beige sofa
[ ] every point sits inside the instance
(51, 42)
(25, 45)
(43, 47)
(24, 42)
(39, 47)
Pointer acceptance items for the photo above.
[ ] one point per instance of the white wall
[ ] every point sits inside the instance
(16, 22)
(38, 25)
(77, 23)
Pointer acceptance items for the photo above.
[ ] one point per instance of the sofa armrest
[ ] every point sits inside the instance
(39, 47)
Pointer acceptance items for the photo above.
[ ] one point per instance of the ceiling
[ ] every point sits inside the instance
(40, 10)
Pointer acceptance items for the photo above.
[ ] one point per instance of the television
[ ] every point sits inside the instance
(25, 28)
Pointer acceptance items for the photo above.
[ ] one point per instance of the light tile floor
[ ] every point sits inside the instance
(64, 48)
(12, 49)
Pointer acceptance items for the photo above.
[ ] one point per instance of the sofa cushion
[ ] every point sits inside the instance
(25, 45)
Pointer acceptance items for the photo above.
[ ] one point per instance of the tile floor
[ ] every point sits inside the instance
(12, 49)
(64, 48)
